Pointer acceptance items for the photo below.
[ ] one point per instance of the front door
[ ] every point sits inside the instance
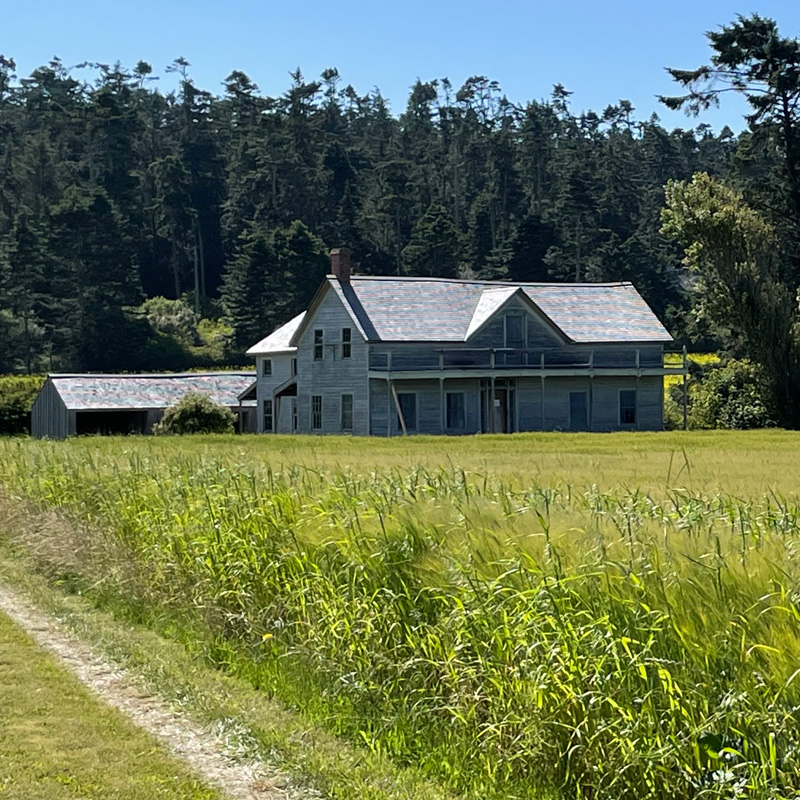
(578, 411)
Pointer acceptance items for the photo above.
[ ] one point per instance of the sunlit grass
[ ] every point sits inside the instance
(59, 742)
(599, 616)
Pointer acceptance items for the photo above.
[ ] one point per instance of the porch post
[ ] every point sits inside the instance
(542, 401)
(388, 407)
(491, 395)
(441, 403)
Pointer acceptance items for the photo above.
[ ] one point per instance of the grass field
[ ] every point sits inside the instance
(58, 742)
(594, 616)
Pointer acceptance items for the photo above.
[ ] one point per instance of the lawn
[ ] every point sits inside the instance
(574, 615)
(59, 742)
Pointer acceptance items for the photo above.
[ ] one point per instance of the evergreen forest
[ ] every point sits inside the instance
(143, 230)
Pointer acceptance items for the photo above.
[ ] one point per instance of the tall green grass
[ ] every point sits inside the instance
(515, 640)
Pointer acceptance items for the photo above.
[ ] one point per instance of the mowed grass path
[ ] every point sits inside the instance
(57, 741)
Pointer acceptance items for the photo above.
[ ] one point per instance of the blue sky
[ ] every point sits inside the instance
(601, 51)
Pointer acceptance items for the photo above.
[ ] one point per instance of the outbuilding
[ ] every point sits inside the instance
(70, 405)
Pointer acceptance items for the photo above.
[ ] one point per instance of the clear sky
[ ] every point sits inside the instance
(601, 51)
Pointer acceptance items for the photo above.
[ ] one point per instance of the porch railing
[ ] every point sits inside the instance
(516, 359)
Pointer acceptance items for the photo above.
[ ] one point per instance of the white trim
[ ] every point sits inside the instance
(271, 415)
(352, 397)
(321, 413)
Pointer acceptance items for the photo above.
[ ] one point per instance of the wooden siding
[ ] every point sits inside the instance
(265, 387)
(49, 416)
(602, 398)
(431, 406)
(332, 376)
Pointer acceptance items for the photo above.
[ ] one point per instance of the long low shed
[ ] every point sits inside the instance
(70, 405)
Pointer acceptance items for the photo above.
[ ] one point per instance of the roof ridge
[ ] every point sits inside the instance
(476, 282)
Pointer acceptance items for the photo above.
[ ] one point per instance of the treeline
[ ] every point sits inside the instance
(113, 193)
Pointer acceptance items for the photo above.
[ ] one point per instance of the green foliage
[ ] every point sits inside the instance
(271, 279)
(16, 398)
(113, 193)
(173, 318)
(732, 395)
(742, 284)
(195, 413)
(433, 250)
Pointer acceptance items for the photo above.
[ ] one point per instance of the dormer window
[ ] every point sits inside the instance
(515, 331)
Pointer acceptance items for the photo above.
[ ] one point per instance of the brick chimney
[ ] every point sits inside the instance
(340, 264)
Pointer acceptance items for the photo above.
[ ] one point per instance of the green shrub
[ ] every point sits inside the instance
(196, 413)
(17, 393)
(733, 395)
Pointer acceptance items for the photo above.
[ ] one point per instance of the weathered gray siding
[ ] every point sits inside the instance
(431, 406)
(266, 385)
(602, 398)
(332, 376)
(49, 416)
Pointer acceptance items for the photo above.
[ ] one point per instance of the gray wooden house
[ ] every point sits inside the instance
(386, 356)
(69, 405)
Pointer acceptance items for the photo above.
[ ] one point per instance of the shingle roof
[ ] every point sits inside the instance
(279, 341)
(441, 310)
(121, 392)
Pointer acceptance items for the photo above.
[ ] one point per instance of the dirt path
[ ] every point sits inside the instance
(206, 753)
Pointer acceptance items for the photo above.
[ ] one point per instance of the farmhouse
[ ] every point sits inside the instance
(386, 356)
(82, 404)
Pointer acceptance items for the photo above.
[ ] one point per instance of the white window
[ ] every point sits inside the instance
(269, 422)
(515, 331)
(408, 406)
(347, 412)
(318, 345)
(347, 339)
(455, 408)
(266, 367)
(627, 407)
(316, 412)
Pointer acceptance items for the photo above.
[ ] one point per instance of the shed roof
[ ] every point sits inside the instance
(128, 392)
(444, 310)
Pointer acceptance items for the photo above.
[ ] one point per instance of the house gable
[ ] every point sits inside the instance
(488, 326)
(332, 287)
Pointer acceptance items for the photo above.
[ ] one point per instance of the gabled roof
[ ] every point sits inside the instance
(443, 310)
(279, 341)
(492, 299)
(142, 392)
